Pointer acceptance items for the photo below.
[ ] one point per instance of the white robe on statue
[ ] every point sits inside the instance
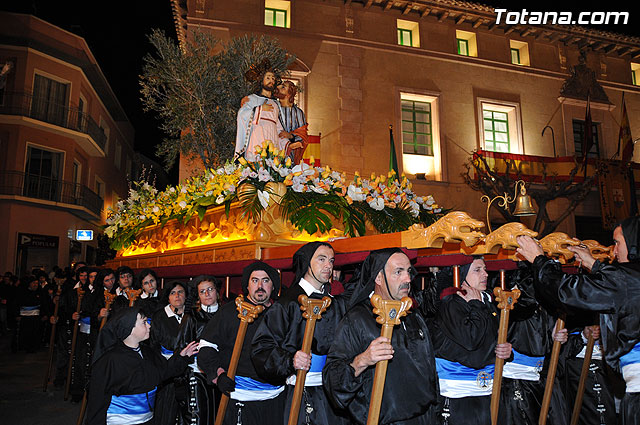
(258, 120)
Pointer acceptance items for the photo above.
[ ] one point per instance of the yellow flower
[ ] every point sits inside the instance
(312, 160)
(263, 154)
(242, 161)
(287, 162)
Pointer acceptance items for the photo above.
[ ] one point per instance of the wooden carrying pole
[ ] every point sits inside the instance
(108, 300)
(247, 313)
(74, 338)
(506, 301)
(551, 376)
(577, 406)
(52, 338)
(312, 310)
(389, 313)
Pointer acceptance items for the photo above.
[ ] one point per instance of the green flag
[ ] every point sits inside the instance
(393, 160)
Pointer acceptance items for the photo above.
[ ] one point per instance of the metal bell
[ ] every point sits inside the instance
(524, 206)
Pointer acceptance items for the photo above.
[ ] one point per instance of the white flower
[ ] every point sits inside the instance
(172, 189)
(142, 217)
(156, 210)
(219, 199)
(264, 176)
(318, 189)
(355, 193)
(245, 173)
(377, 204)
(133, 195)
(415, 208)
(284, 172)
(430, 200)
(297, 187)
(220, 171)
(184, 189)
(182, 204)
(263, 197)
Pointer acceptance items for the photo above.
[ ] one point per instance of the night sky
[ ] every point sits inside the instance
(116, 33)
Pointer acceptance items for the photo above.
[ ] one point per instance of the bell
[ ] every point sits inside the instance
(524, 206)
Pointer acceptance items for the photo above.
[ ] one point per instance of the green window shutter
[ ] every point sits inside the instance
(515, 56)
(463, 47)
(417, 137)
(496, 131)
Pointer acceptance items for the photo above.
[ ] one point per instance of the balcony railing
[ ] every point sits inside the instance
(33, 186)
(40, 108)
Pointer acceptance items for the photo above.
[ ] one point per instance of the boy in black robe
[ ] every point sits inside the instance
(252, 400)
(411, 386)
(126, 374)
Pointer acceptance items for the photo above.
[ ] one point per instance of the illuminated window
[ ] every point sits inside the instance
(500, 126)
(466, 43)
(635, 74)
(408, 33)
(416, 127)
(419, 121)
(277, 13)
(519, 53)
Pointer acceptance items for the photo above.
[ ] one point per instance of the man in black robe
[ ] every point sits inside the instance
(252, 400)
(411, 387)
(464, 334)
(277, 343)
(610, 289)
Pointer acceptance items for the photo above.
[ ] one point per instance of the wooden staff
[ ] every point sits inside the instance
(226, 284)
(247, 313)
(456, 276)
(389, 313)
(577, 406)
(312, 310)
(132, 295)
(52, 338)
(506, 301)
(551, 375)
(109, 298)
(74, 338)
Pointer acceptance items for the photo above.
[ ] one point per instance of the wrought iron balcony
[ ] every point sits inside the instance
(40, 108)
(33, 186)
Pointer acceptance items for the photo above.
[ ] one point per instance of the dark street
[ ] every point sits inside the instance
(22, 401)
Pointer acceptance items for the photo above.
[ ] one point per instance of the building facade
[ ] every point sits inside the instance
(66, 146)
(445, 75)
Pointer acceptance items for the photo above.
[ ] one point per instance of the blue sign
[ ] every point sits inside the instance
(84, 235)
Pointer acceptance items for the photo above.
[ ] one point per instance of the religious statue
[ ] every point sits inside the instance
(293, 121)
(259, 114)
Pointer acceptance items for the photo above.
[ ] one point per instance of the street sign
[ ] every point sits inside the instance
(84, 235)
(37, 241)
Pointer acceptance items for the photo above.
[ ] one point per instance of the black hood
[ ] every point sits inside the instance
(302, 259)
(372, 265)
(259, 265)
(117, 329)
(631, 232)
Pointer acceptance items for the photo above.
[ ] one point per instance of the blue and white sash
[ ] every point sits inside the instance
(457, 381)
(165, 352)
(314, 375)
(131, 409)
(85, 324)
(248, 389)
(630, 365)
(30, 310)
(523, 367)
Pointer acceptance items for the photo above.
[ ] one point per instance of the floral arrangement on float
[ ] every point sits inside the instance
(311, 198)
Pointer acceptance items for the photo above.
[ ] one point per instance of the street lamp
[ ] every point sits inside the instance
(523, 202)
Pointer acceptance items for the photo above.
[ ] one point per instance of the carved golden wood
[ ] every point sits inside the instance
(555, 245)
